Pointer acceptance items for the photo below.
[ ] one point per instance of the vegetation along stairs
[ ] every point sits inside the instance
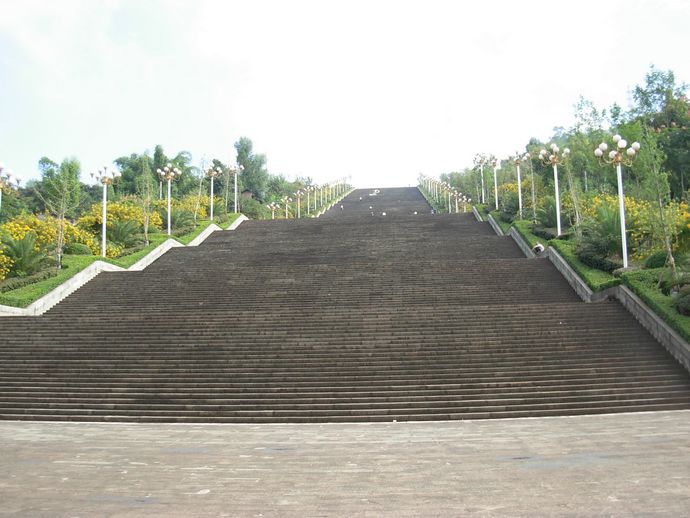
(378, 310)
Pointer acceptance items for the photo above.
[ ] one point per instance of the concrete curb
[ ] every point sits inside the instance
(476, 213)
(153, 255)
(46, 302)
(579, 285)
(521, 243)
(72, 284)
(497, 228)
(204, 234)
(335, 202)
(237, 222)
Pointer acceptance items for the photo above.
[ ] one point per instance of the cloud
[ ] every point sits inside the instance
(381, 90)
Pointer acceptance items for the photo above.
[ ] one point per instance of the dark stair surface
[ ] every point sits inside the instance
(354, 316)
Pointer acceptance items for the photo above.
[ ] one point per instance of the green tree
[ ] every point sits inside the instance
(61, 194)
(254, 176)
(146, 188)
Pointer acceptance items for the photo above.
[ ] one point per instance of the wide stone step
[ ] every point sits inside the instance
(498, 409)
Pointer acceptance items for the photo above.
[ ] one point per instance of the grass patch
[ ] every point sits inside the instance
(644, 284)
(128, 260)
(22, 297)
(597, 280)
(185, 239)
(73, 264)
(231, 219)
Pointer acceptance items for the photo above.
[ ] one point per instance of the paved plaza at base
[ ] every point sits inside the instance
(612, 465)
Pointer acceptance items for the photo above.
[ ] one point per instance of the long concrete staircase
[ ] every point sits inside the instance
(354, 316)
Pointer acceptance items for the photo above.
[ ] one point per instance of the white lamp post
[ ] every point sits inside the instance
(6, 184)
(555, 157)
(286, 201)
(298, 195)
(527, 158)
(213, 173)
(516, 161)
(273, 207)
(236, 170)
(106, 178)
(169, 173)
(621, 155)
(481, 160)
(496, 165)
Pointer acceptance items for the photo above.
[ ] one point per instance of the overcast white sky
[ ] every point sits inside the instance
(381, 90)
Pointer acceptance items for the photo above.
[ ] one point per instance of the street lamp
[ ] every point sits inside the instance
(106, 178)
(621, 155)
(273, 206)
(6, 181)
(298, 194)
(527, 158)
(481, 160)
(169, 173)
(213, 173)
(496, 165)
(516, 161)
(555, 157)
(236, 170)
(286, 201)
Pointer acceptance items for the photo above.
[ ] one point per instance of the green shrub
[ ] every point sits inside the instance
(658, 259)
(14, 283)
(255, 210)
(124, 232)
(509, 203)
(669, 282)
(132, 249)
(180, 219)
(25, 257)
(644, 283)
(543, 232)
(682, 301)
(547, 214)
(182, 231)
(595, 260)
(596, 279)
(78, 249)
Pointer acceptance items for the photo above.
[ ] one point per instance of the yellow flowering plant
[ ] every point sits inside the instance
(5, 265)
(117, 211)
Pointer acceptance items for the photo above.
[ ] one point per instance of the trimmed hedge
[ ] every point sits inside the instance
(22, 297)
(78, 249)
(595, 279)
(644, 283)
(14, 283)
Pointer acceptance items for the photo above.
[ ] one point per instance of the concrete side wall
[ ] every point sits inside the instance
(69, 286)
(476, 213)
(154, 254)
(238, 222)
(497, 228)
(521, 243)
(672, 341)
(204, 234)
(77, 281)
(570, 275)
